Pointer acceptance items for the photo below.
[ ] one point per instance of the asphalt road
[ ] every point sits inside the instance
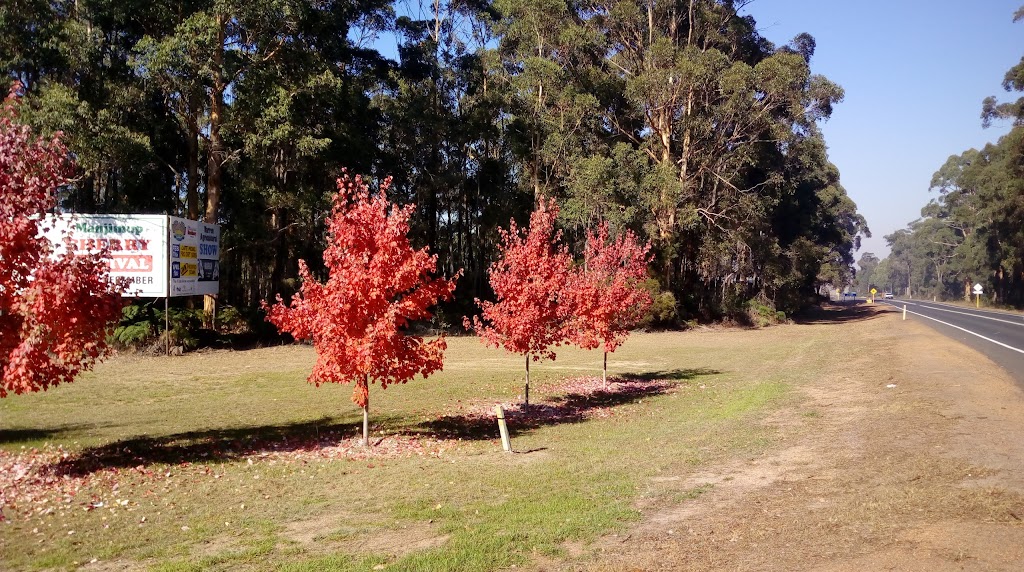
(998, 335)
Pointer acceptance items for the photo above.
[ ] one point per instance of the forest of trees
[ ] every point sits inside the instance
(973, 232)
(674, 119)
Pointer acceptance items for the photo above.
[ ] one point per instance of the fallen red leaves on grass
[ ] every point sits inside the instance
(577, 398)
(570, 400)
(40, 481)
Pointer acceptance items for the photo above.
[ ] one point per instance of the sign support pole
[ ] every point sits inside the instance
(167, 284)
(167, 325)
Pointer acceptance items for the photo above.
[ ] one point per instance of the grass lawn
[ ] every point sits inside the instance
(230, 460)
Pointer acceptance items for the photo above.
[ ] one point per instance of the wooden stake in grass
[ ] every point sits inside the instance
(506, 442)
(366, 414)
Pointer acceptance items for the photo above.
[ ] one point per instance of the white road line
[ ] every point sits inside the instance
(1018, 350)
(976, 311)
(1012, 323)
(974, 315)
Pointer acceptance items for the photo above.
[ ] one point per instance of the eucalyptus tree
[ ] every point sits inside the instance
(814, 227)
(882, 276)
(299, 114)
(73, 59)
(445, 135)
(867, 263)
(219, 47)
(905, 270)
(991, 108)
(680, 120)
(706, 97)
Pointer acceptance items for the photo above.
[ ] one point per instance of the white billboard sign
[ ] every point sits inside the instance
(137, 245)
(160, 256)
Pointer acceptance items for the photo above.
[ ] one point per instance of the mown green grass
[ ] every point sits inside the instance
(476, 507)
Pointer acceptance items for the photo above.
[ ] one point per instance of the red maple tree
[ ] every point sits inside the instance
(530, 281)
(377, 285)
(608, 295)
(55, 311)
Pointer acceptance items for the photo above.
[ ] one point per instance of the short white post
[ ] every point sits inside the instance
(904, 312)
(506, 442)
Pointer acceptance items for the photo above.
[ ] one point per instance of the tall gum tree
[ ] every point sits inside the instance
(705, 94)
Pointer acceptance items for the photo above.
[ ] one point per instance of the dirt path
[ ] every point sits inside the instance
(910, 458)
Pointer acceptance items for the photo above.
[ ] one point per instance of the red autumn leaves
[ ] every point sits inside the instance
(530, 281)
(54, 311)
(544, 301)
(378, 284)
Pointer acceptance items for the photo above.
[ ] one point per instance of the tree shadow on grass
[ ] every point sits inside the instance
(673, 374)
(16, 435)
(209, 446)
(572, 407)
(232, 444)
(841, 313)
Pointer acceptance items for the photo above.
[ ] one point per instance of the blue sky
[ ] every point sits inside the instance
(915, 73)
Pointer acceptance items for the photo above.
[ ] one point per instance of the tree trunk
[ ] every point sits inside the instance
(216, 156)
(366, 422)
(526, 401)
(192, 194)
(604, 375)
(215, 161)
(278, 223)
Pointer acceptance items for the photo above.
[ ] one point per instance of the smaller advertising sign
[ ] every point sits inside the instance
(195, 253)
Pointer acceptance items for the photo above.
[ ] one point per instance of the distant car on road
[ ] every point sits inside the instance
(887, 295)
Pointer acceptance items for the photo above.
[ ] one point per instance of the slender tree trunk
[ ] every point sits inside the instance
(526, 401)
(537, 136)
(366, 412)
(216, 159)
(192, 194)
(604, 375)
(278, 222)
(216, 155)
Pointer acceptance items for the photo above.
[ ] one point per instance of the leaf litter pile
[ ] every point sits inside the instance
(42, 481)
